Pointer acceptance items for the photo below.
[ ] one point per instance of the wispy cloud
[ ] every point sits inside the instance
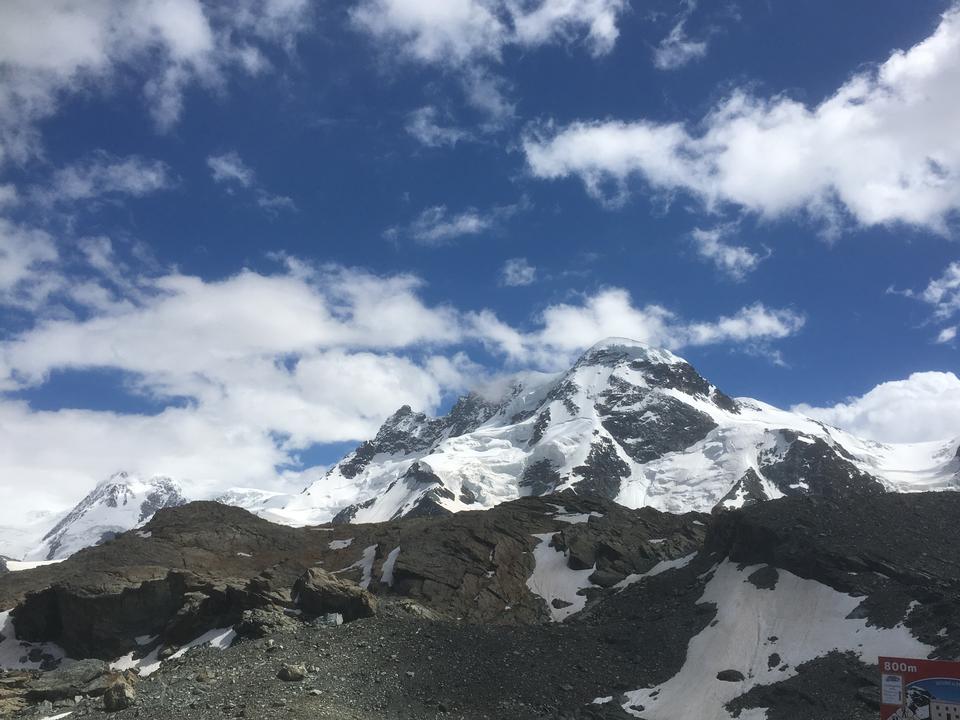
(734, 261)
(423, 124)
(104, 175)
(229, 170)
(438, 225)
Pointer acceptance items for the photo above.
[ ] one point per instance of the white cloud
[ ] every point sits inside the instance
(881, 149)
(51, 49)
(267, 364)
(423, 125)
(516, 272)
(462, 31)
(25, 257)
(102, 174)
(230, 170)
(735, 261)
(947, 335)
(9, 195)
(925, 406)
(468, 37)
(942, 293)
(677, 50)
(566, 329)
(255, 367)
(437, 225)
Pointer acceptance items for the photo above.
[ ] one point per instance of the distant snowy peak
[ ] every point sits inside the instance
(407, 431)
(116, 505)
(631, 422)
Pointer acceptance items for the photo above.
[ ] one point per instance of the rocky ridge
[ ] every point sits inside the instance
(443, 637)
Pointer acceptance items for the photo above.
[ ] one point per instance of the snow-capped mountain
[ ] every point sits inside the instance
(116, 505)
(633, 423)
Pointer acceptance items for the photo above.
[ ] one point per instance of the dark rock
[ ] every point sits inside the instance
(540, 477)
(66, 682)
(764, 578)
(540, 426)
(319, 592)
(603, 470)
(292, 673)
(648, 425)
(262, 623)
(749, 488)
(812, 467)
(350, 512)
(731, 676)
(119, 696)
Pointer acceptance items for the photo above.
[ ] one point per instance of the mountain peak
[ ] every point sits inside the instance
(122, 501)
(617, 349)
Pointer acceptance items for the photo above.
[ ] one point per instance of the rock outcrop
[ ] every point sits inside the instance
(206, 565)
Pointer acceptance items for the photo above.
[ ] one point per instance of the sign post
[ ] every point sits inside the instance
(919, 689)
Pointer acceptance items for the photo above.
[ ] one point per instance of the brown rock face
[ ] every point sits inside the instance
(319, 592)
(205, 565)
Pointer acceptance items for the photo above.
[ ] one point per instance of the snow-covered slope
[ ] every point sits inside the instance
(17, 540)
(631, 422)
(114, 506)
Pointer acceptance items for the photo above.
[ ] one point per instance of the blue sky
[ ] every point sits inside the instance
(234, 237)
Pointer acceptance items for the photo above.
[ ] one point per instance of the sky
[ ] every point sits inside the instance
(235, 237)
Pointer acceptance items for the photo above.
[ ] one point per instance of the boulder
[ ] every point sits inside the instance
(66, 682)
(292, 673)
(319, 593)
(258, 624)
(119, 696)
(730, 676)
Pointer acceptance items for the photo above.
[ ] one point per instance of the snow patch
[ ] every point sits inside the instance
(340, 544)
(365, 563)
(808, 620)
(660, 567)
(576, 518)
(219, 638)
(553, 580)
(386, 576)
(14, 653)
(15, 565)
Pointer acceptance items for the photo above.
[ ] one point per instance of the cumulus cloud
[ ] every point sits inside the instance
(925, 406)
(516, 272)
(230, 170)
(881, 149)
(51, 49)
(468, 38)
(249, 370)
(565, 329)
(461, 31)
(735, 261)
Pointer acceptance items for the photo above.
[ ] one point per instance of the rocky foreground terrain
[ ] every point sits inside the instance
(557, 607)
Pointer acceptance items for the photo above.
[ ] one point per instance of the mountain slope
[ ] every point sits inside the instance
(633, 423)
(114, 506)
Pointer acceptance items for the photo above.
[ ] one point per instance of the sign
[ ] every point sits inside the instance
(919, 689)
